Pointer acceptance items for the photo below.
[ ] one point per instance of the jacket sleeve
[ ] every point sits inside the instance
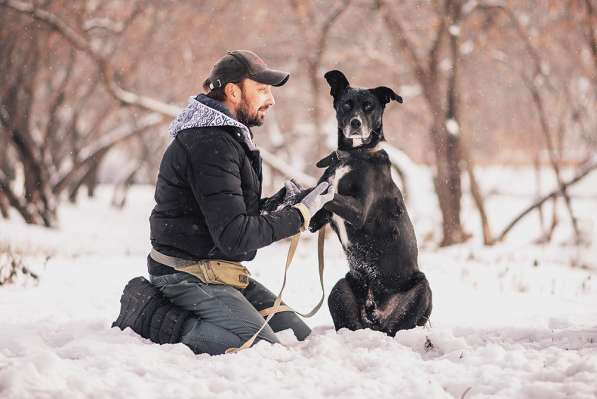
(214, 177)
(269, 204)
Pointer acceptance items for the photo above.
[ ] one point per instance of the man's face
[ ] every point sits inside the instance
(256, 99)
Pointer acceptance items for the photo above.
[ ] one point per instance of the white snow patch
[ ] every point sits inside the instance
(512, 320)
(454, 30)
(453, 127)
(467, 47)
(410, 90)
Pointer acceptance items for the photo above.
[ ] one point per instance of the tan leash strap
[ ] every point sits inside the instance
(271, 311)
(268, 311)
(293, 244)
(320, 260)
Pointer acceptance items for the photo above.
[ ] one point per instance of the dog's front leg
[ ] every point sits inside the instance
(321, 218)
(349, 209)
(345, 301)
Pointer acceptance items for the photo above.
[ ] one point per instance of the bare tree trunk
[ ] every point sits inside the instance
(445, 144)
(447, 184)
(92, 180)
(461, 149)
(547, 235)
(477, 195)
(15, 118)
(26, 210)
(121, 190)
(4, 205)
(537, 165)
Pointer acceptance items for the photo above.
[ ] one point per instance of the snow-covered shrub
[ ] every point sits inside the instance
(13, 270)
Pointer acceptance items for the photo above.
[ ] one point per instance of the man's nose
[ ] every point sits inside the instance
(270, 100)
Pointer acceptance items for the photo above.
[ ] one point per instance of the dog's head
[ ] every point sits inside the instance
(359, 111)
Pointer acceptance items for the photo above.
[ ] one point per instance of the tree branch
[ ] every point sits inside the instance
(402, 41)
(583, 173)
(103, 145)
(120, 94)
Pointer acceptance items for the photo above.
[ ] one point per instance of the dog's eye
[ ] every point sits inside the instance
(347, 106)
(367, 107)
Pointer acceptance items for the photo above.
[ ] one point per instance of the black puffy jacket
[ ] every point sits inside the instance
(208, 192)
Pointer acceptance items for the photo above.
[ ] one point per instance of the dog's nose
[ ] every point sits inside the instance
(355, 123)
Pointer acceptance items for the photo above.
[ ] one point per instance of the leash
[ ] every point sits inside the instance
(277, 307)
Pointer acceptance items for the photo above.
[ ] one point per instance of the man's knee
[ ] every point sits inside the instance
(262, 298)
(289, 320)
(205, 337)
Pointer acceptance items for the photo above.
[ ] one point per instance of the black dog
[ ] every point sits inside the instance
(384, 289)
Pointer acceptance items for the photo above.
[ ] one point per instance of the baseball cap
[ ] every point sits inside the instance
(239, 64)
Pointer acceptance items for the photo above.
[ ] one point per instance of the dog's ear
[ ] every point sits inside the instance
(385, 95)
(337, 81)
(327, 161)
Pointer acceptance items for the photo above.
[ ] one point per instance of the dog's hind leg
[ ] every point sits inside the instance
(407, 309)
(344, 305)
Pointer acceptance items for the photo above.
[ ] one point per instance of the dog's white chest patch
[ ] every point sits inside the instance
(338, 221)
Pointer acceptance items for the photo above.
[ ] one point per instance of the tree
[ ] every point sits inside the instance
(442, 102)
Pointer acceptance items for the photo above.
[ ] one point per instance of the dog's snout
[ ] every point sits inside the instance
(355, 123)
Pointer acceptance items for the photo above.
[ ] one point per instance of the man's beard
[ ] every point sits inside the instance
(244, 116)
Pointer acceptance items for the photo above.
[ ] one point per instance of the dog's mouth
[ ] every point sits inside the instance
(358, 141)
(357, 137)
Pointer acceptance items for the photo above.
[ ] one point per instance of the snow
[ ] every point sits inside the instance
(516, 320)
(453, 127)
(454, 30)
(467, 47)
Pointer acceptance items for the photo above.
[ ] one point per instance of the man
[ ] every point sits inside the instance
(209, 208)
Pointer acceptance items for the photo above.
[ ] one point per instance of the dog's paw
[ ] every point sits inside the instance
(327, 161)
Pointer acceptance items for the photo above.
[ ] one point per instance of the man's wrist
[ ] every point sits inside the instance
(305, 213)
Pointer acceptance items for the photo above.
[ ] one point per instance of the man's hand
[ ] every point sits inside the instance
(315, 200)
(292, 189)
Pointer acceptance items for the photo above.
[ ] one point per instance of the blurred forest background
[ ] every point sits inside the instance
(88, 87)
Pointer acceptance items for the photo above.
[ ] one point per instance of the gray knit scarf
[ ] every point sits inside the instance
(203, 111)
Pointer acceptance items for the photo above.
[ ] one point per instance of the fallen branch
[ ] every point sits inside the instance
(583, 173)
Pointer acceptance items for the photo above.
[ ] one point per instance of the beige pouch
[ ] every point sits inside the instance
(219, 272)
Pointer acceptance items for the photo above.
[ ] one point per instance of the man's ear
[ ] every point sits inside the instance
(337, 81)
(327, 161)
(233, 92)
(385, 95)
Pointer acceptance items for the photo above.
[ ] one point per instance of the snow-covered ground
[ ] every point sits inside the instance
(516, 320)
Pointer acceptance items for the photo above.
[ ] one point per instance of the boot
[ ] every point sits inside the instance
(147, 312)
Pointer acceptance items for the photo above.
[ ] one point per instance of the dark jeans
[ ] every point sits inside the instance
(226, 316)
